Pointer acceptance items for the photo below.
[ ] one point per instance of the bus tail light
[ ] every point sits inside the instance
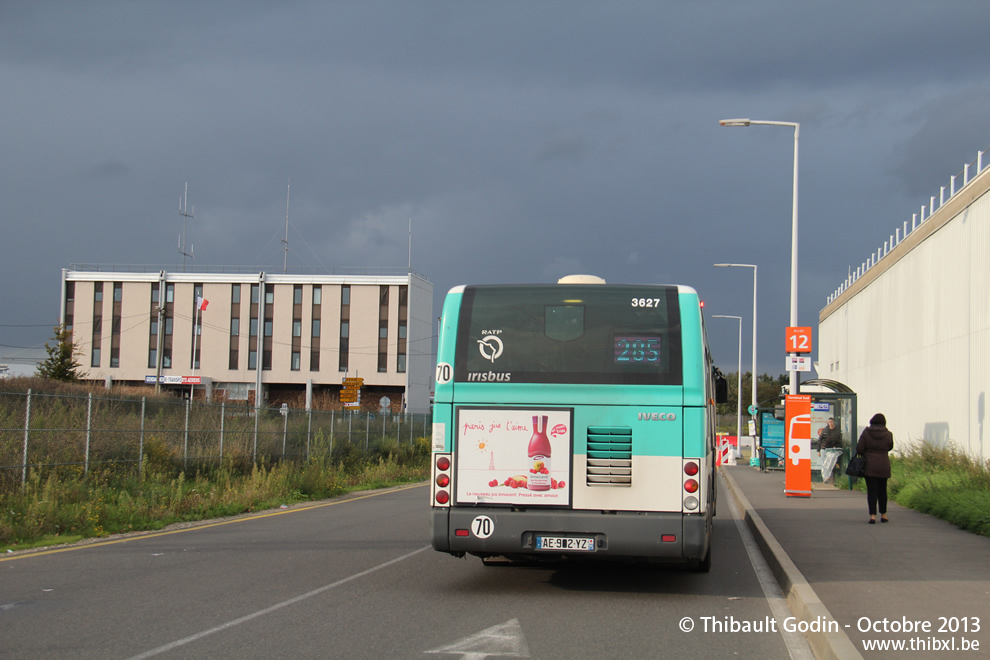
(690, 468)
(441, 480)
(691, 486)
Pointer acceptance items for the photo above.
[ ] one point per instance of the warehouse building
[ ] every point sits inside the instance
(293, 338)
(909, 330)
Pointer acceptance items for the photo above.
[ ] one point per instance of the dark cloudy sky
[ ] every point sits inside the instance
(525, 140)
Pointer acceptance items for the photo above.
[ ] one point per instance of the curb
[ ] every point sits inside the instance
(801, 598)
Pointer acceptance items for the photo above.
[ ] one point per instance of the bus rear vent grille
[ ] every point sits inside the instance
(609, 456)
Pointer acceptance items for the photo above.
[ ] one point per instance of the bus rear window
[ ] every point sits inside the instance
(569, 334)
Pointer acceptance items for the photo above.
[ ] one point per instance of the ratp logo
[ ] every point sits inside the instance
(490, 347)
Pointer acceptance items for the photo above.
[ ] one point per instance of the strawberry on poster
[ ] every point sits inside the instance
(498, 461)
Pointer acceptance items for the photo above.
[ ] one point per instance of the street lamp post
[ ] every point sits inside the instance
(794, 219)
(732, 460)
(753, 266)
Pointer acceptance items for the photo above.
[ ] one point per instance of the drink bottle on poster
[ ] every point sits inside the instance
(539, 456)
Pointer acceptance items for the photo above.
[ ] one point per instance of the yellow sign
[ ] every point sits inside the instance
(353, 381)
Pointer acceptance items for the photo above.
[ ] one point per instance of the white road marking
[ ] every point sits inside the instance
(797, 645)
(505, 639)
(292, 601)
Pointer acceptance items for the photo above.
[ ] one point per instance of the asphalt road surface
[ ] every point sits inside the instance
(355, 578)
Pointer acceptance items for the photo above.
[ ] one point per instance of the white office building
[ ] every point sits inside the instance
(293, 338)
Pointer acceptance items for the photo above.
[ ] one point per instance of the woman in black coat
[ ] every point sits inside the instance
(874, 444)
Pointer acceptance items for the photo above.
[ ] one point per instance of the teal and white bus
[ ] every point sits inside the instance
(574, 420)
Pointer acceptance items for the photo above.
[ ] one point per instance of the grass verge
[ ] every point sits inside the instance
(59, 509)
(940, 481)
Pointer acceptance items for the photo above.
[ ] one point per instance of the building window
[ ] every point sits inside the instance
(114, 358)
(400, 364)
(297, 328)
(314, 360)
(316, 327)
(169, 293)
(154, 326)
(235, 294)
(152, 358)
(155, 293)
(235, 327)
(254, 327)
(118, 291)
(297, 294)
(98, 292)
(317, 295)
(95, 361)
(252, 360)
(254, 294)
(268, 328)
(383, 328)
(269, 295)
(166, 359)
(345, 317)
(168, 325)
(295, 360)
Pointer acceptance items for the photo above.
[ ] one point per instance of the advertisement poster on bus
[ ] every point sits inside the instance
(513, 456)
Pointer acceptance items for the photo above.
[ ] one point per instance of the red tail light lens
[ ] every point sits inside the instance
(691, 469)
(443, 481)
(691, 486)
(443, 463)
(442, 497)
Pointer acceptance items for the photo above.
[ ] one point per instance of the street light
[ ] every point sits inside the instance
(738, 383)
(753, 266)
(794, 219)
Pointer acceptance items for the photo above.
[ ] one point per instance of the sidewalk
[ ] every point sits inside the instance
(830, 563)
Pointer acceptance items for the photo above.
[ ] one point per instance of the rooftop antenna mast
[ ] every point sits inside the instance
(185, 216)
(285, 241)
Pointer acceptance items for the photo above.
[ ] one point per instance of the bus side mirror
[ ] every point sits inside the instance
(779, 412)
(721, 389)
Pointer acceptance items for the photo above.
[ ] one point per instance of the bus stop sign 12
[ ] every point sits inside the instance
(798, 339)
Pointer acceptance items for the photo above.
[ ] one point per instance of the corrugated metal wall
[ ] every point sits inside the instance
(914, 342)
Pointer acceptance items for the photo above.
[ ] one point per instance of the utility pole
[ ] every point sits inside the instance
(185, 216)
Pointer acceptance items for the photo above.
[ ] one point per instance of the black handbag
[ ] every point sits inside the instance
(857, 466)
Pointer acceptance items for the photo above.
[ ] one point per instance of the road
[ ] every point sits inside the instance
(355, 578)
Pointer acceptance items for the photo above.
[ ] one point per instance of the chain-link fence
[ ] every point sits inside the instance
(77, 434)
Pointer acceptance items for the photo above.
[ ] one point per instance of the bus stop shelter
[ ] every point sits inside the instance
(829, 399)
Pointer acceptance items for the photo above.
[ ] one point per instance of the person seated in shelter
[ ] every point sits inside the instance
(829, 441)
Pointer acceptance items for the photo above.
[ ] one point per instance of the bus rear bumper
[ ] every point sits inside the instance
(655, 536)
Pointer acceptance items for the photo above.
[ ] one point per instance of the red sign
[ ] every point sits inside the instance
(798, 340)
(797, 429)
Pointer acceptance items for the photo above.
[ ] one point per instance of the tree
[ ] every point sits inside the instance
(768, 389)
(62, 362)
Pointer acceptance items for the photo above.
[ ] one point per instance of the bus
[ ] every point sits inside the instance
(574, 420)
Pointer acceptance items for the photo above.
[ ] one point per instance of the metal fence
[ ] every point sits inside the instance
(81, 433)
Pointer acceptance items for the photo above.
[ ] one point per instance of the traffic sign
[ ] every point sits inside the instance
(797, 363)
(752, 410)
(353, 381)
(798, 340)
